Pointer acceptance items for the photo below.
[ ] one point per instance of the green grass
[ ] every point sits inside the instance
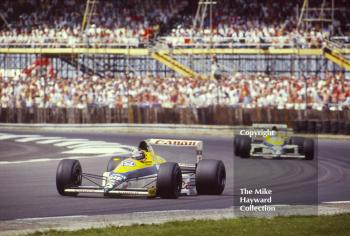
(284, 226)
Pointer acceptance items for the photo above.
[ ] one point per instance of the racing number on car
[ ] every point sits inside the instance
(128, 163)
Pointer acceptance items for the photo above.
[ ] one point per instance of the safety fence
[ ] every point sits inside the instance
(301, 120)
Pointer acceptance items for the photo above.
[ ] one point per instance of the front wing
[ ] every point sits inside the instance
(130, 192)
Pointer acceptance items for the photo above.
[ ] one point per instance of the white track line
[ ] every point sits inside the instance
(105, 145)
(13, 136)
(336, 202)
(51, 141)
(49, 159)
(95, 149)
(102, 150)
(32, 139)
(69, 142)
(25, 161)
(90, 143)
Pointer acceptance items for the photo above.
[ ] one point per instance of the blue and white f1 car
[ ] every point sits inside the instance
(145, 173)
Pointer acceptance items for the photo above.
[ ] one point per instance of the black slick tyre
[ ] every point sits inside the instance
(210, 177)
(245, 147)
(169, 180)
(68, 175)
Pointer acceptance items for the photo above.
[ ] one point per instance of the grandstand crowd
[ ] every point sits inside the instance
(138, 23)
(241, 90)
(118, 23)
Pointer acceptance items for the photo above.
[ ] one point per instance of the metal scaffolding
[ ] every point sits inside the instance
(319, 12)
(89, 12)
(201, 14)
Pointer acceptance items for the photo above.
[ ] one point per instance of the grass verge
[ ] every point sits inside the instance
(293, 225)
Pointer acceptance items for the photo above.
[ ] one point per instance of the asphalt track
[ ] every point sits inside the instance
(27, 188)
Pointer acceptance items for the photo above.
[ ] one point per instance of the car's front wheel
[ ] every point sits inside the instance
(68, 174)
(210, 177)
(236, 142)
(245, 146)
(169, 180)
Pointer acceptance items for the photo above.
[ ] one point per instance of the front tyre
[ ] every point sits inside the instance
(68, 174)
(210, 177)
(245, 147)
(236, 142)
(169, 180)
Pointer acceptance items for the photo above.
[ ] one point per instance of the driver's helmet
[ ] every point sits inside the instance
(139, 155)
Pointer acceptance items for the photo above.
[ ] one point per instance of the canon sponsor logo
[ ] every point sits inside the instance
(176, 142)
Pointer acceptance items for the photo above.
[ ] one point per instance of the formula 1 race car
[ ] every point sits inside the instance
(144, 173)
(278, 145)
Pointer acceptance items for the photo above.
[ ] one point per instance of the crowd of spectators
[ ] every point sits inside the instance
(57, 23)
(243, 23)
(137, 23)
(240, 90)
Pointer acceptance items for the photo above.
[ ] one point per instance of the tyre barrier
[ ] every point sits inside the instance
(321, 127)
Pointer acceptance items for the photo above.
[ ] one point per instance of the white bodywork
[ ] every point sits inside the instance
(179, 143)
(274, 151)
(260, 147)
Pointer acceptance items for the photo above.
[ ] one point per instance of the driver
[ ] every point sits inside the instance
(140, 156)
(277, 139)
(274, 128)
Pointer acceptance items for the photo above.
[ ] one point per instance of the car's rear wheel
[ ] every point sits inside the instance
(236, 141)
(169, 180)
(210, 177)
(309, 149)
(245, 147)
(68, 175)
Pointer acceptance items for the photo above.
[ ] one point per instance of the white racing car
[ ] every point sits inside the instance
(145, 173)
(278, 145)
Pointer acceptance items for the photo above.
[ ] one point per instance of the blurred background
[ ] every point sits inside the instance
(225, 62)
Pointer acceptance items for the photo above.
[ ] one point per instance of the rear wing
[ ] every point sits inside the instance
(179, 143)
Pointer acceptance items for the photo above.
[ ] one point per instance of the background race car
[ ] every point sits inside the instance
(280, 144)
(145, 173)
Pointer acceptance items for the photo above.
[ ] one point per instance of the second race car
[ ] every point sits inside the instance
(280, 145)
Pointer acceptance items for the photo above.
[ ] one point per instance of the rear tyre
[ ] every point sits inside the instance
(210, 177)
(169, 180)
(68, 175)
(236, 142)
(309, 149)
(245, 147)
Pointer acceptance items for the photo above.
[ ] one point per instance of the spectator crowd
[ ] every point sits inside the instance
(248, 23)
(138, 23)
(241, 90)
(57, 23)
